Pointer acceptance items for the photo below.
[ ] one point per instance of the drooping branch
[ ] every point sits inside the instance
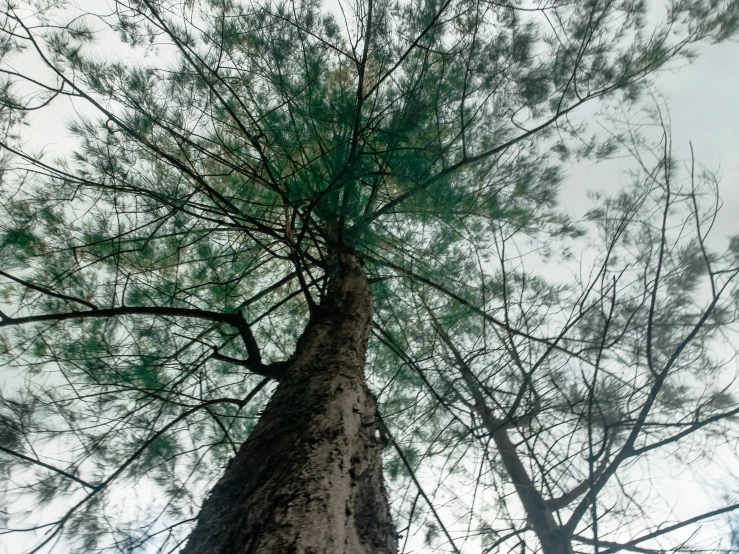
(56, 470)
(48, 292)
(383, 429)
(631, 545)
(231, 319)
(253, 363)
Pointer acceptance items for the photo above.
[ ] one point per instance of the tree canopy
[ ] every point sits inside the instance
(156, 274)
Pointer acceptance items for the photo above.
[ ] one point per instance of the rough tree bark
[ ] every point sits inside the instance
(308, 480)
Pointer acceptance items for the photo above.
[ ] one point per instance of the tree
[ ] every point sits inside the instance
(604, 379)
(255, 189)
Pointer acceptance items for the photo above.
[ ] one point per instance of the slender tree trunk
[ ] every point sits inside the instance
(309, 477)
(552, 537)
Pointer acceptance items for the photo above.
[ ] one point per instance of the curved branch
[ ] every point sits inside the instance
(253, 363)
(631, 545)
(48, 292)
(231, 319)
(49, 467)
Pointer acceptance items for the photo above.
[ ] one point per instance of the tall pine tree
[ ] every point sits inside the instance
(264, 206)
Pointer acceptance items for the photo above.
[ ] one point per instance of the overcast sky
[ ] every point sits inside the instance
(703, 103)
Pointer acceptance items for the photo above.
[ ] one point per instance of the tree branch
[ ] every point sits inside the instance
(629, 545)
(48, 292)
(383, 428)
(253, 363)
(49, 467)
(230, 319)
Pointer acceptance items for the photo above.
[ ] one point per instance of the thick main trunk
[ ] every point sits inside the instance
(309, 477)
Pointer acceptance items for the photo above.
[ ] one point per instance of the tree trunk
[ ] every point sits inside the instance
(552, 537)
(309, 477)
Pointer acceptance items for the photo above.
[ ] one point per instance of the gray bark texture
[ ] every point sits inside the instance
(308, 480)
